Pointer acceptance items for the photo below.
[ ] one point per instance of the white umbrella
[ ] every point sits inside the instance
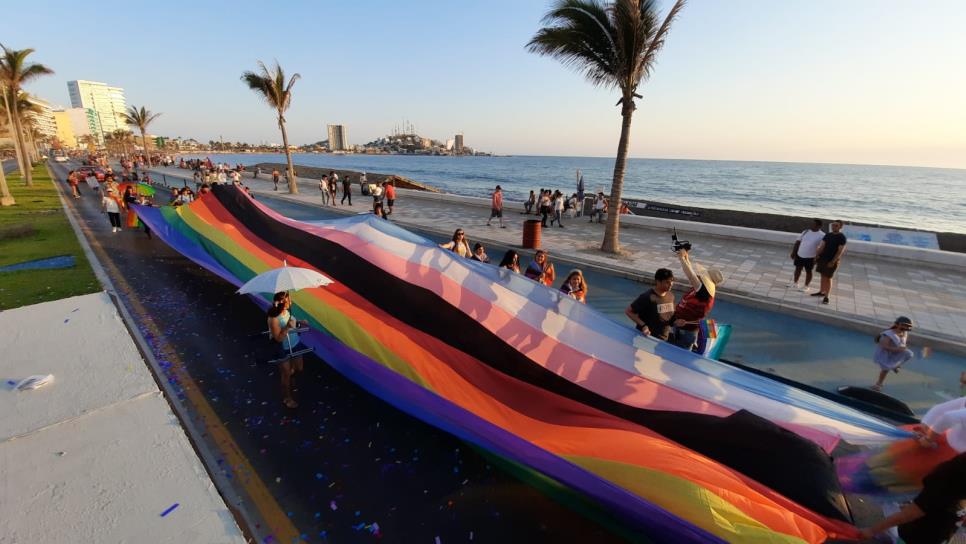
(286, 278)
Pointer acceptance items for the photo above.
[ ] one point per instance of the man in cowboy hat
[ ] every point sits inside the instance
(696, 304)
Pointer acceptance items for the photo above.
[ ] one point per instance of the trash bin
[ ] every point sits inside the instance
(531, 234)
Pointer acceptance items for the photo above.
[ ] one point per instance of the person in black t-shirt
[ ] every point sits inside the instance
(932, 517)
(653, 311)
(829, 253)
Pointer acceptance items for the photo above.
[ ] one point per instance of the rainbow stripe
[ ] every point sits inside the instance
(514, 368)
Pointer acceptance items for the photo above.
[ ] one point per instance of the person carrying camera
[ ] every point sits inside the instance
(696, 304)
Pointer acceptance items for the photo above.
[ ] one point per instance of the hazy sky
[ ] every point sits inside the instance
(870, 81)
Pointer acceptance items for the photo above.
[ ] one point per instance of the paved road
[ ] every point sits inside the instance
(344, 460)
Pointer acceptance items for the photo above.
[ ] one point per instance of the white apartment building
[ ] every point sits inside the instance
(106, 101)
(44, 120)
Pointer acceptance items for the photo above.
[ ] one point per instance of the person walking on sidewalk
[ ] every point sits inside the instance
(804, 252)
(347, 189)
(390, 194)
(530, 203)
(281, 326)
(111, 207)
(891, 350)
(333, 187)
(324, 189)
(829, 253)
(653, 311)
(496, 206)
(275, 176)
(544, 207)
(558, 209)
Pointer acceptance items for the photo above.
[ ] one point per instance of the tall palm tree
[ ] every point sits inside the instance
(23, 107)
(141, 119)
(613, 45)
(271, 86)
(14, 72)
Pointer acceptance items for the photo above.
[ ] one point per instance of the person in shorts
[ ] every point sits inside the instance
(828, 255)
(390, 191)
(804, 252)
(496, 206)
(281, 327)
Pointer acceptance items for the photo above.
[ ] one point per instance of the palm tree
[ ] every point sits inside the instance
(614, 45)
(141, 119)
(270, 85)
(14, 72)
(23, 107)
(89, 141)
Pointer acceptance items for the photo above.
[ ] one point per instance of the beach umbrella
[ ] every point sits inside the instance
(286, 278)
(139, 188)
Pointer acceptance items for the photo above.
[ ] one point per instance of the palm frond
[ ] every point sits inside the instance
(579, 33)
(269, 84)
(657, 40)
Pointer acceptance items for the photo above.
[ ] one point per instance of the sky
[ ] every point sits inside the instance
(861, 81)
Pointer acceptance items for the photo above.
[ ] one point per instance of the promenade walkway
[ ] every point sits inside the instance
(869, 292)
(96, 456)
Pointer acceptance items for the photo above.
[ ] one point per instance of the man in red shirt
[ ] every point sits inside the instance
(696, 304)
(390, 195)
(497, 207)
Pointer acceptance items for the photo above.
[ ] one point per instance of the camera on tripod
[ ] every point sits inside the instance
(678, 245)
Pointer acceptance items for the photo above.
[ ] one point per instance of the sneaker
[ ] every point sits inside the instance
(793, 285)
(818, 294)
(825, 300)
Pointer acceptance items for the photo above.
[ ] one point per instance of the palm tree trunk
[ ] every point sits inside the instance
(293, 186)
(612, 243)
(13, 128)
(28, 166)
(6, 199)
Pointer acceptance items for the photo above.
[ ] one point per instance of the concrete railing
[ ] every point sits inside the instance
(685, 228)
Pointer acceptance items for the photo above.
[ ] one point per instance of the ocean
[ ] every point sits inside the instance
(931, 199)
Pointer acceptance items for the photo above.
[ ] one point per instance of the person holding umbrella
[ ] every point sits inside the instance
(281, 326)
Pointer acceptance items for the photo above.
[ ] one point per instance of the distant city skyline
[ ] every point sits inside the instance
(745, 80)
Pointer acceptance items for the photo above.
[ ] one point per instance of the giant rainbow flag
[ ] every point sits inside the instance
(678, 447)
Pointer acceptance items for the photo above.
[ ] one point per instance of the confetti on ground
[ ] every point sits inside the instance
(169, 510)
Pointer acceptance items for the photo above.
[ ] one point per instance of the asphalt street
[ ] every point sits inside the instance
(344, 466)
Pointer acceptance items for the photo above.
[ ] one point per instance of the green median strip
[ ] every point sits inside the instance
(37, 228)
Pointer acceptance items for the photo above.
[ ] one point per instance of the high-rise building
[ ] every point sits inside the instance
(458, 146)
(43, 120)
(338, 138)
(65, 129)
(106, 101)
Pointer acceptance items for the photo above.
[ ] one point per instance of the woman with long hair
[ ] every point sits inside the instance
(575, 285)
(281, 327)
(458, 244)
(541, 269)
(511, 261)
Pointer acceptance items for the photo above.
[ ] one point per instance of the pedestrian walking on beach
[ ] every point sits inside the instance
(281, 326)
(829, 253)
(324, 189)
(544, 207)
(804, 252)
(511, 260)
(558, 209)
(255, 173)
(275, 176)
(111, 206)
(458, 244)
(528, 205)
(496, 206)
(575, 285)
(390, 193)
(541, 269)
(347, 189)
(653, 311)
(891, 349)
(696, 304)
(333, 187)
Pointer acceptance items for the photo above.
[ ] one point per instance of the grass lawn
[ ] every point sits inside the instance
(37, 228)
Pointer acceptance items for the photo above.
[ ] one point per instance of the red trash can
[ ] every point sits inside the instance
(531, 233)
